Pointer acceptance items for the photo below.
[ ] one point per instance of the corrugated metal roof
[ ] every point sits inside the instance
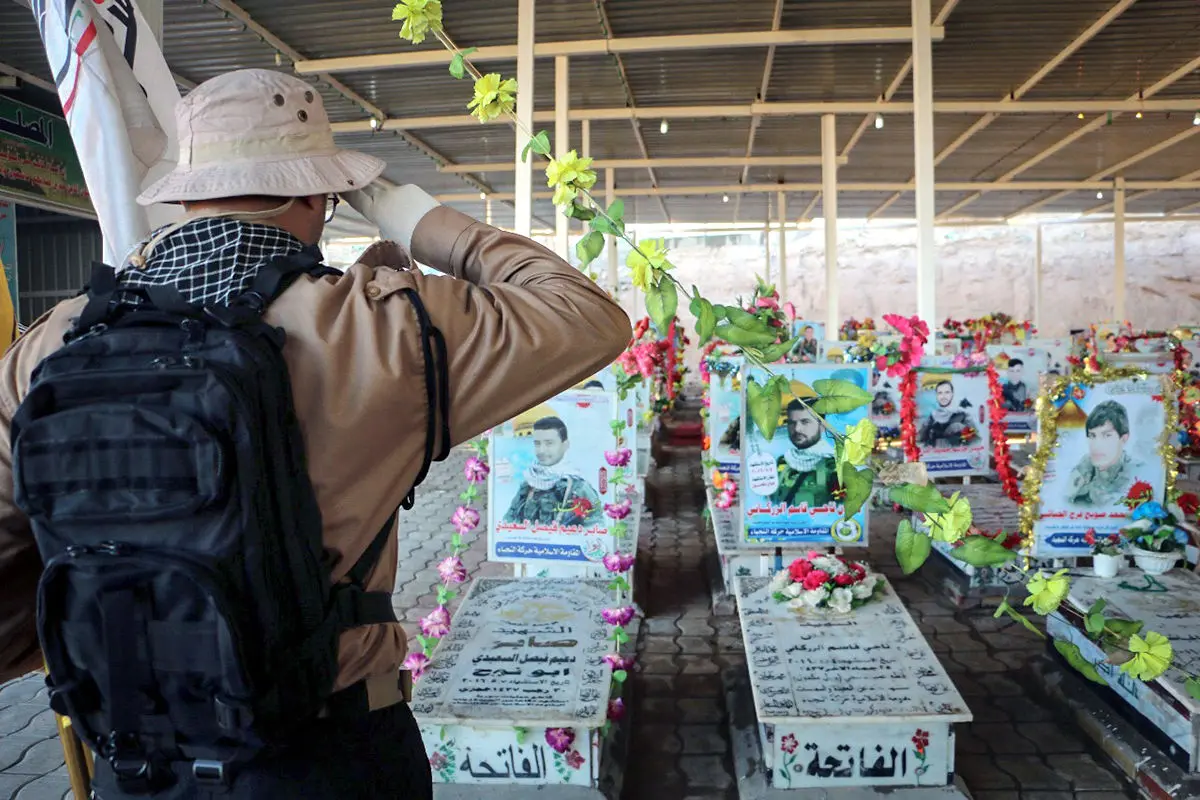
(990, 48)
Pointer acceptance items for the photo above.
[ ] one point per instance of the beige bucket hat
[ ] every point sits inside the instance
(258, 132)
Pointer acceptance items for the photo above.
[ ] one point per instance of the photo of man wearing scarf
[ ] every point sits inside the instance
(808, 470)
(551, 491)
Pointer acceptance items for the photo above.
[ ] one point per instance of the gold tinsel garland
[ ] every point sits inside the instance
(1047, 414)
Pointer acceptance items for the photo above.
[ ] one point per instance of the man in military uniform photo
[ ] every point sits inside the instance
(551, 492)
(1104, 475)
(808, 470)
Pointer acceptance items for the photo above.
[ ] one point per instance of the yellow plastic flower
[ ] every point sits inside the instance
(419, 17)
(493, 97)
(1151, 656)
(1047, 593)
(859, 442)
(648, 263)
(953, 524)
(570, 169)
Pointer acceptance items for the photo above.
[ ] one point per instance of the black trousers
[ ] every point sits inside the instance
(378, 756)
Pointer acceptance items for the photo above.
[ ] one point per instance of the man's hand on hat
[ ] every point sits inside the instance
(396, 210)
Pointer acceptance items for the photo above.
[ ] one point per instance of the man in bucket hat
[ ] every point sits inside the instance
(258, 177)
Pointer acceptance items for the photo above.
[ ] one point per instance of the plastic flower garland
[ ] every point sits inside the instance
(451, 570)
(988, 329)
(619, 564)
(851, 329)
(1000, 448)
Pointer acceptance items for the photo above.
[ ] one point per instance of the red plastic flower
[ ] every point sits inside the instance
(1188, 503)
(845, 579)
(816, 579)
(789, 743)
(1090, 536)
(574, 760)
(616, 709)
(799, 569)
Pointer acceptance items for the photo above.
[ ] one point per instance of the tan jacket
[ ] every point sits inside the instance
(521, 326)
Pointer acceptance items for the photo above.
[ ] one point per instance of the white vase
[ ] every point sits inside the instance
(1152, 562)
(1106, 566)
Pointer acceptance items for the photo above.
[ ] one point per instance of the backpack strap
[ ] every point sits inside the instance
(353, 604)
(102, 291)
(437, 393)
(277, 275)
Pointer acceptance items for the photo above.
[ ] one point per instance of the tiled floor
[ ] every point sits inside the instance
(1015, 750)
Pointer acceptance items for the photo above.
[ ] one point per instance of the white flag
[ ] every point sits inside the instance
(119, 101)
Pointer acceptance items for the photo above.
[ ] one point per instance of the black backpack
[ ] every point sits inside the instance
(186, 611)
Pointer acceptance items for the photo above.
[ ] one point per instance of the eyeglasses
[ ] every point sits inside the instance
(331, 204)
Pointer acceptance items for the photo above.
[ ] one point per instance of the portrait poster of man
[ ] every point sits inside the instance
(952, 420)
(724, 424)
(791, 491)
(809, 335)
(1109, 437)
(1020, 367)
(549, 481)
(885, 401)
(606, 381)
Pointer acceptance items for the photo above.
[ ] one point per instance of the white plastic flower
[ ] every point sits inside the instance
(779, 582)
(793, 590)
(829, 564)
(814, 597)
(840, 600)
(863, 589)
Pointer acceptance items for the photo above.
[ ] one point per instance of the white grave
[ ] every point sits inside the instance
(847, 700)
(523, 656)
(741, 558)
(1175, 613)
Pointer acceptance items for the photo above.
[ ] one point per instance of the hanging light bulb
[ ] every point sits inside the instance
(664, 127)
(1099, 195)
(1196, 119)
(483, 195)
(1138, 115)
(878, 122)
(374, 124)
(1080, 115)
(724, 198)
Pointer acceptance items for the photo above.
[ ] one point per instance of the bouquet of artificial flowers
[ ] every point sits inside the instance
(1103, 545)
(819, 580)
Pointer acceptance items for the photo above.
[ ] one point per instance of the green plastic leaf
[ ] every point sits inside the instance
(539, 144)
(706, 321)
(773, 353)
(1124, 628)
(857, 483)
(1075, 658)
(1005, 608)
(522, 735)
(982, 551)
(458, 65)
(922, 499)
(444, 595)
(763, 404)
(1094, 623)
(1192, 684)
(721, 312)
(620, 675)
(742, 337)
(1098, 606)
(839, 397)
(747, 321)
(612, 221)
(456, 540)
(661, 303)
(582, 213)
(589, 248)
(912, 548)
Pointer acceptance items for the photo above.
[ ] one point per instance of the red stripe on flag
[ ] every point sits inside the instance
(85, 41)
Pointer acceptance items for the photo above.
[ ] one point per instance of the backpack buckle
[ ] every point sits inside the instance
(128, 762)
(209, 773)
(231, 716)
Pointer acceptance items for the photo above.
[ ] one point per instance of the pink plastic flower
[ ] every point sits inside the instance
(476, 470)
(617, 616)
(815, 579)
(619, 562)
(560, 739)
(618, 458)
(574, 760)
(618, 661)
(465, 519)
(618, 510)
(616, 709)
(417, 663)
(436, 623)
(451, 570)
(767, 302)
(724, 500)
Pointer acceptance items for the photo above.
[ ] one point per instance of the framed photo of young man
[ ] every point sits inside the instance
(790, 487)
(951, 418)
(724, 424)
(549, 481)
(1108, 437)
(1019, 368)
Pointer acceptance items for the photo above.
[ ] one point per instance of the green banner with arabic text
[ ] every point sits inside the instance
(37, 159)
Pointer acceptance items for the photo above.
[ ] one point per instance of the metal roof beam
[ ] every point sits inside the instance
(1096, 124)
(768, 66)
(772, 188)
(606, 27)
(661, 163)
(1115, 169)
(1033, 80)
(32, 80)
(1191, 176)
(620, 45)
(1183, 209)
(1054, 107)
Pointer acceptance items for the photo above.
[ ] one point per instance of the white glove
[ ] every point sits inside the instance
(396, 210)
